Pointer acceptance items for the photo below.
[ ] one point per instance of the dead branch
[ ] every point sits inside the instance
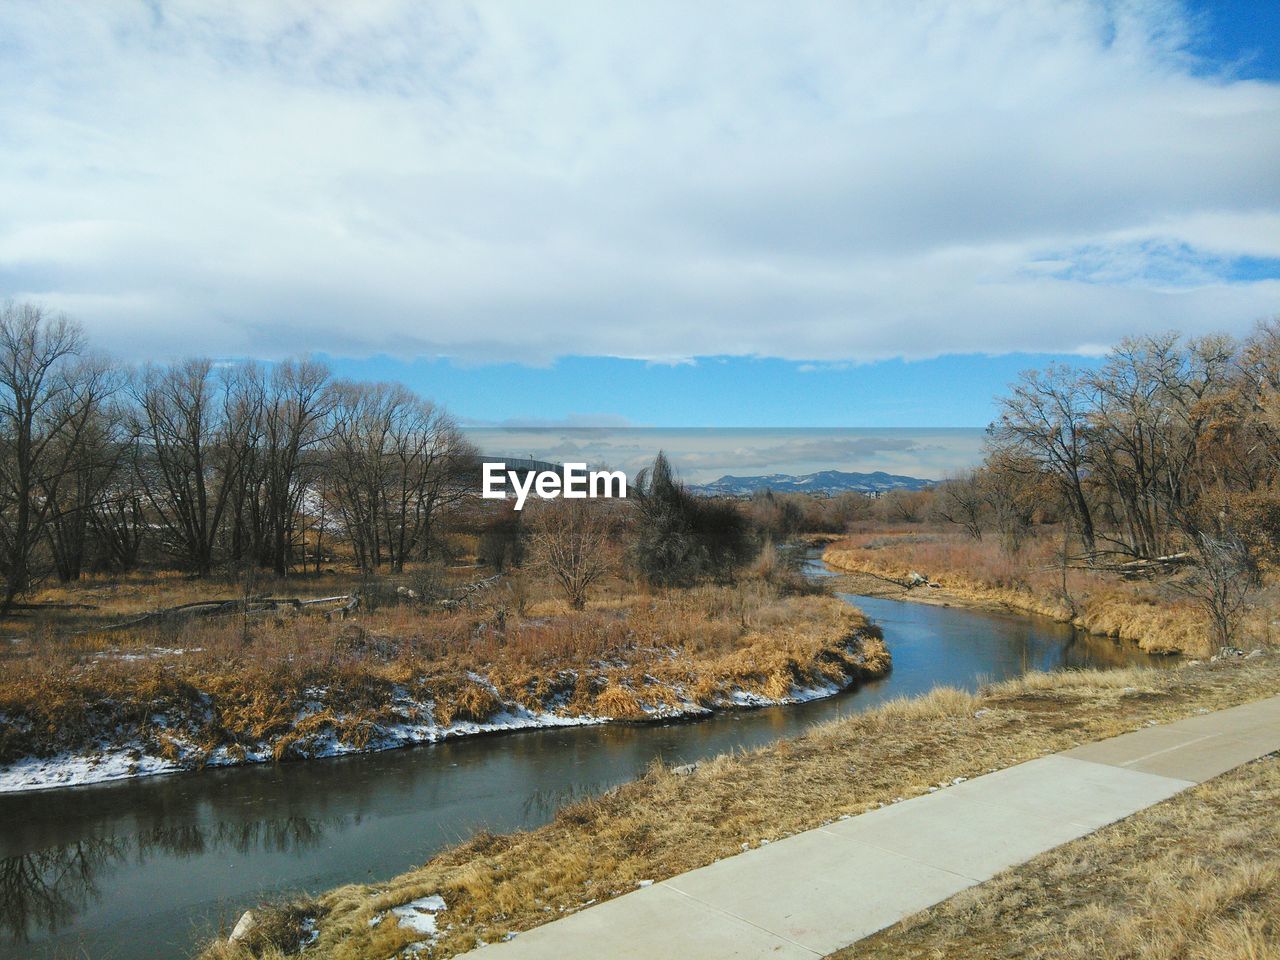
(1140, 566)
(214, 608)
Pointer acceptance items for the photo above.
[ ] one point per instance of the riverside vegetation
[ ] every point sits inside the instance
(666, 823)
(1140, 500)
(209, 563)
(298, 685)
(669, 607)
(933, 563)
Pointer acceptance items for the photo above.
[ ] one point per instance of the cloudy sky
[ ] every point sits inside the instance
(708, 453)
(779, 213)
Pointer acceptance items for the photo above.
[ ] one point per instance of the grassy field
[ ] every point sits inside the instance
(296, 684)
(664, 823)
(1194, 878)
(1145, 612)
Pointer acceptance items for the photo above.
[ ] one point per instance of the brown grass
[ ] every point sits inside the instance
(664, 824)
(287, 684)
(1194, 878)
(981, 573)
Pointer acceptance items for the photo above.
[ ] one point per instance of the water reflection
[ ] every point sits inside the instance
(541, 805)
(43, 889)
(139, 870)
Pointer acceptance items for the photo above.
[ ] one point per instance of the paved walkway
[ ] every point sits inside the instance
(815, 892)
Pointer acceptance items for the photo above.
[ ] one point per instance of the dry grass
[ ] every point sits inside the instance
(981, 573)
(290, 684)
(664, 824)
(1194, 878)
(99, 598)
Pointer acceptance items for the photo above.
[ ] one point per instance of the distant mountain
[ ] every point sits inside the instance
(826, 481)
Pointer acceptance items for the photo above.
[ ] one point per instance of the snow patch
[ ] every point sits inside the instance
(72, 769)
(310, 932)
(420, 915)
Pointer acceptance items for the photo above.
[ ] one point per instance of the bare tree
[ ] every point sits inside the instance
(1045, 422)
(119, 522)
(394, 460)
(432, 466)
(356, 457)
(1238, 453)
(1010, 492)
(47, 405)
(294, 421)
(238, 464)
(903, 506)
(961, 500)
(1224, 582)
(571, 544)
(94, 453)
(1156, 401)
(213, 462)
(196, 435)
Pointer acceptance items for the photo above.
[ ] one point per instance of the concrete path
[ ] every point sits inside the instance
(815, 892)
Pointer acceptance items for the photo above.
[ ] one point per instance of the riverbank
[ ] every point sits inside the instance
(933, 567)
(666, 823)
(198, 695)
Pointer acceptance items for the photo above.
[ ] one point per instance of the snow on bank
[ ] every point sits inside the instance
(747, 699)
(70, 770)
(130, 758)
(420, 915)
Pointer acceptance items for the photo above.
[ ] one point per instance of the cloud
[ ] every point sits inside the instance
(702, 454)
(664, 181)
(574, 421)
(839, 449)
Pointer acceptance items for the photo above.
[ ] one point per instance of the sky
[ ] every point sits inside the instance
(723, 214)
(724, 391)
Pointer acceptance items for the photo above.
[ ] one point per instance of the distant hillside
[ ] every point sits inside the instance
(826, 481)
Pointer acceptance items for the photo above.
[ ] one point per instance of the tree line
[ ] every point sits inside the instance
(1168, 442)
(208, 465)
(1165, 457)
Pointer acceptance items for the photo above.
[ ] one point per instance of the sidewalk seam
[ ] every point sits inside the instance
(733, 916)
(904, 856)
(1156, 753)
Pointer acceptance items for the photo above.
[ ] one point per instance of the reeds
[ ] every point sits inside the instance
(1032, 580)
(292, 681)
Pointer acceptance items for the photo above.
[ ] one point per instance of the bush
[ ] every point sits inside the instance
(502, 540)
(1256, 517)
(679, 538)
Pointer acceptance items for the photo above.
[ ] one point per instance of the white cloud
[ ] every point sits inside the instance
(518, 181)
(701, 455)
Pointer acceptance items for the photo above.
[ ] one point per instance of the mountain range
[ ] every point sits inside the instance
(825, 481)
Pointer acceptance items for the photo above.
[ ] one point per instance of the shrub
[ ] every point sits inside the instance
(680, 538)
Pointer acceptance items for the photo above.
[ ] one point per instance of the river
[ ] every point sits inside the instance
(143, 869)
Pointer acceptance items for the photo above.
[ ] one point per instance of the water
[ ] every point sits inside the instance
(141, 870)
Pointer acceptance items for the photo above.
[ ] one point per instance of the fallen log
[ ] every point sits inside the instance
(464, 595)
(1139, 565)
(220, 607)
